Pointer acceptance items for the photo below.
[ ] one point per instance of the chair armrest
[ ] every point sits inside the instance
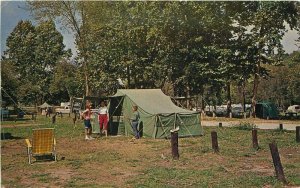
(54, 142)
(28, 143)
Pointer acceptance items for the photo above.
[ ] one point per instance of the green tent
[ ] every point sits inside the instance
(158, 114)
(266, 110)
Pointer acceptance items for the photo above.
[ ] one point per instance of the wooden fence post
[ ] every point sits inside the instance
(174, 144)
(281, 126)
(297, 133)
(254, 139)
(53, 118)
(277, 163)
(214, 141)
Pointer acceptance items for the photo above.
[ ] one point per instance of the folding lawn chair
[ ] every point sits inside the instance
(43, 143)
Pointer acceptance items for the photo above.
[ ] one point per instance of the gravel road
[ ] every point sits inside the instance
(260, 125)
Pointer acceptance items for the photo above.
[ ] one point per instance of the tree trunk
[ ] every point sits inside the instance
(255, 87)
(228, 99)
(128, 77)
(86, 79)
(82, 34)
(243, 97)
(188, 97)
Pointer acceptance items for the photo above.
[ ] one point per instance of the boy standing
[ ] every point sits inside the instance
(87, 122)
(135, 122)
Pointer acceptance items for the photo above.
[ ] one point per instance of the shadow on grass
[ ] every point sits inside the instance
(9, 136)
(14, 118)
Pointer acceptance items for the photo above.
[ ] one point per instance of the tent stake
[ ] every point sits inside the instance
(254, 139)
(214, 141)
(280, 126)
(174, 144)
(298, 134)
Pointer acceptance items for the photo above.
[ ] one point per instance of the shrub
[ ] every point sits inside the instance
(245, 126)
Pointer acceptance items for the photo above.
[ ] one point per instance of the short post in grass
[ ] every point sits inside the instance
(298, 134)
(277, 163)
(220, 124)
(61, 115)
(174, 144)
(214, 141)
(53, 118)
(280, 126)
(254, 139)
(74, 121)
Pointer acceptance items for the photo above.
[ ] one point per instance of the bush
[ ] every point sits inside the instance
(245, 126)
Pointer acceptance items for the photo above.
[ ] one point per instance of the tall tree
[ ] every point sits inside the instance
(34, 51)
(10, 83)
(71, 15)
(267, 29)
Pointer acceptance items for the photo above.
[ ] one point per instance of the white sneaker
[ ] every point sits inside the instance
(91, 138)
(86, 138)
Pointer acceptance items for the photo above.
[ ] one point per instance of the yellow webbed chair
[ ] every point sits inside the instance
(43, 143)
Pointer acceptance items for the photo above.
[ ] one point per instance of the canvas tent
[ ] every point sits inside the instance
(158, 114)
(45, 105)
(43, 108)
(266, 110)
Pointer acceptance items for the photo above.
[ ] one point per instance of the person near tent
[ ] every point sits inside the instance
(86, 115)
(103, 117)
(46, 110)
(135, 122)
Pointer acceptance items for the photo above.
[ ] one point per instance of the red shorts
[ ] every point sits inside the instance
(103, 121)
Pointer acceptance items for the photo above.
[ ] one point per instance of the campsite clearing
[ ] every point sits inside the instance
(121, 162)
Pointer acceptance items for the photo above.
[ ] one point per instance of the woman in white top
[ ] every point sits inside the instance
(103, 117)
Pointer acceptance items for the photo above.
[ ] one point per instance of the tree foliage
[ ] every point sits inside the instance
(34, 52)
(191, 48)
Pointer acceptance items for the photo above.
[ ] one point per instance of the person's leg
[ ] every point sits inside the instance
(86, 129)
(86, 133)
(134, 128)
(137, 131)
(100, 122)
(105, 120)
(90, 130)
(105, 124)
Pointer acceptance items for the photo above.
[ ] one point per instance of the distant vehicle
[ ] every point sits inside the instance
(64, 110)
(237, 111)
(4, 113)
(221, 110)
(294, 109)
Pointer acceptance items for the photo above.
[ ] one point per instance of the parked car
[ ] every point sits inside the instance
(221, 110)
(4, 113)
(237, 111)
(63, 110)
(294, 109)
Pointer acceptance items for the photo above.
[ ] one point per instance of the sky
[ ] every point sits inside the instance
(14, 11)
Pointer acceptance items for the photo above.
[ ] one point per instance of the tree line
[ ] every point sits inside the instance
(221, 51)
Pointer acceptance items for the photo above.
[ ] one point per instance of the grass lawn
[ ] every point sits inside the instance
(122, 162)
